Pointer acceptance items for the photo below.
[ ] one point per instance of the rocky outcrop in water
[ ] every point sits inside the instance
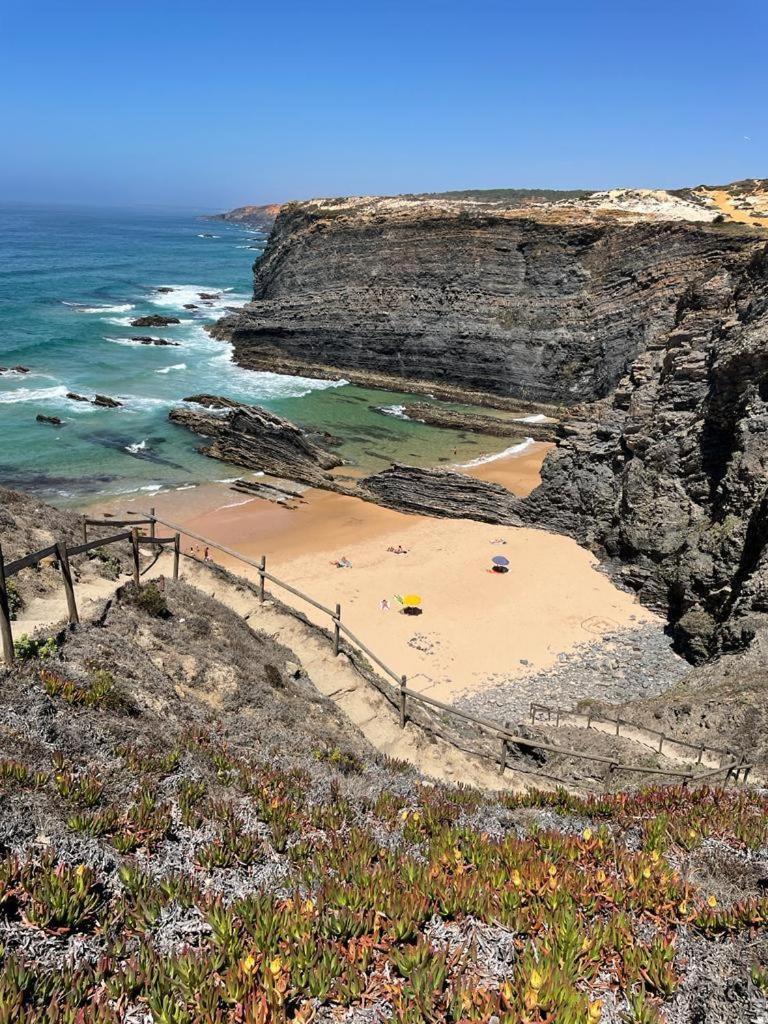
(550, 304)
(155, 320)
(247, 435)
(476, 423)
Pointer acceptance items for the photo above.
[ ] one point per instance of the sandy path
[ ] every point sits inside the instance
(723, 202)
(337, 679)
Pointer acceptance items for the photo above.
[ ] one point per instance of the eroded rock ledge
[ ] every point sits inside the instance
(546, 304)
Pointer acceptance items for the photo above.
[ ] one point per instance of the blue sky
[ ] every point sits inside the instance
(215, 104)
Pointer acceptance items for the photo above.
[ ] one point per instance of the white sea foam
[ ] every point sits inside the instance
(515, 449)
(33, 395)
(235, 504)
(119, 321)
(134, 449)
(395, 410)
(124, 307)
(176, 366)
(189, 294)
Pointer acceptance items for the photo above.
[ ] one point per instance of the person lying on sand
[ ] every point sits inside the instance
(399, 550)
(342, 563)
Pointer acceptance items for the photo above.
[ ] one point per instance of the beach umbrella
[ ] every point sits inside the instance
(411, 600)
(500, 560)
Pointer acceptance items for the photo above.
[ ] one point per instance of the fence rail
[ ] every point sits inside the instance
(538, 711)
(61, 552)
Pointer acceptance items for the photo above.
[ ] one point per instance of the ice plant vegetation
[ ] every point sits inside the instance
(382, 901)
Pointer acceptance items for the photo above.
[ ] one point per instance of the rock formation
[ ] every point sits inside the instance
(260, 217)
(250, 436)
(477, 423)
(549, 303)
(668, 476)
(155, 320)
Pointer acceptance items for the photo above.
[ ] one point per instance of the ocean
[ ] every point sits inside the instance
(71, 281)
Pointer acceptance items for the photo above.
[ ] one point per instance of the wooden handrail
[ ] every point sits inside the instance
(404, 693)
(591, 716)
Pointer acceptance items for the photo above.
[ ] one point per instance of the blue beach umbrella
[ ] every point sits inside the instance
(500, 560)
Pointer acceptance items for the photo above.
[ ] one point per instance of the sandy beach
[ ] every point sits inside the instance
(476, 626)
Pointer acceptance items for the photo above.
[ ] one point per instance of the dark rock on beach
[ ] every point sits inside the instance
(209, 295)
(74, 397)
(442, 493)
(107, 403)
(53, 420)
(14, 369)
(155, 320)
(253, 437)
(163, 289)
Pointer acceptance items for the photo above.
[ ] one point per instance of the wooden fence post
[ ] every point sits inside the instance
(661, 742)
(403, 696)
(609, 776)
(336, 631)
(85, 532)
(5, 615)
(66, 575)
(618, 725)
(136, 563)
(262, 570)
(589, 719)
(176, 553)
(152, 527)
(503, 752)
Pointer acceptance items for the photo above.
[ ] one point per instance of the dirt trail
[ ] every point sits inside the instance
(335, 678)
(725, 204)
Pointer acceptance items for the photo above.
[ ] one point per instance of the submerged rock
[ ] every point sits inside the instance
(106, 402)
(53, 420)
(144, 339)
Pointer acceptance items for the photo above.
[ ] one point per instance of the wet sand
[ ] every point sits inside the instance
(475, 624)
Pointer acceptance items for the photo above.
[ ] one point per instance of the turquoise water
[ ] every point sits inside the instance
(72, 279)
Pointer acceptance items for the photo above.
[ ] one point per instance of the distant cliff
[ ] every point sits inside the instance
(549, 301)
(262, 217)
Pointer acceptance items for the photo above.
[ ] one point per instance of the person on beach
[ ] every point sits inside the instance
(342, 563)
(384, 604)
(399, 550)
(207, 555)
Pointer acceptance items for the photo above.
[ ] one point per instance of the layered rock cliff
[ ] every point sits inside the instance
(550, 303)
(669, 476)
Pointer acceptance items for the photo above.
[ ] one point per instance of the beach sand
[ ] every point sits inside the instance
(476, 628)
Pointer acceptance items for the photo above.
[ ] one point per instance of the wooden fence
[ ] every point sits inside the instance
(402, 693)
(587, 719)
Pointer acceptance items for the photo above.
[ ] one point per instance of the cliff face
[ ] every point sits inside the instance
(550, 304)
(669, 476)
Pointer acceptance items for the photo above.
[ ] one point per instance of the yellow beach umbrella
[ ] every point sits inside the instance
(411, 600)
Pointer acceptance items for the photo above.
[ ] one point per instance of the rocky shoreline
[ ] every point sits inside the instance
(620, 667)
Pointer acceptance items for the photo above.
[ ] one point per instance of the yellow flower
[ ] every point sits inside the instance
(552, 870)
(646, 872)
(691, 833)
(308, 906)
(80, 870)
(712, 901)
(517, 878)
(587, 833)
(595, 1010)
(536, 980)
(275, 966)
(655, 856)
(507, 991)
(248, 964)
(683, 908)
